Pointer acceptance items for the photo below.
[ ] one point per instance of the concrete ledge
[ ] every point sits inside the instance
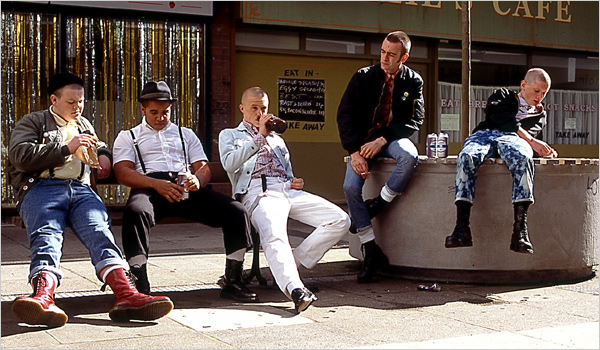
(563, 223)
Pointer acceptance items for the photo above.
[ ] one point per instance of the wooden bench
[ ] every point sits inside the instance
(563, 223)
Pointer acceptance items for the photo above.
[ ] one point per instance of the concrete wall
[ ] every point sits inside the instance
(563, 223)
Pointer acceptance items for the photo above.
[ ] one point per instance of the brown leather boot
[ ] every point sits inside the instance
(39, 307)
(131, 304)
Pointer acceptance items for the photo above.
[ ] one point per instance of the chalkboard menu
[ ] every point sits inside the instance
(302, 99)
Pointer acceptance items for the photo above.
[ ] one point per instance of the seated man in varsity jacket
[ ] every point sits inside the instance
(148, 158)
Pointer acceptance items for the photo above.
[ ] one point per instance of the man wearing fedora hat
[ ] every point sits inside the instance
(149, 158)
(53, 189)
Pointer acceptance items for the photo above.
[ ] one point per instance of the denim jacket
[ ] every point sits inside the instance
(238, 154)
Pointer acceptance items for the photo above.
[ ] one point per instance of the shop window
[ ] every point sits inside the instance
(334, 43)
(29, 55)
(267, 39)
(115, 58)
(569, 71)
(418, 49)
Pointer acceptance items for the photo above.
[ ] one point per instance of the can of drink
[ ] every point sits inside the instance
(442, 145)
(431, 145)
(181, 177)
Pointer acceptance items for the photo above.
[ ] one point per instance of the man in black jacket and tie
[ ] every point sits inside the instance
(381, 108)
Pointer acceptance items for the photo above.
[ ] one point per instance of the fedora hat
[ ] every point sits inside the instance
(156, 91)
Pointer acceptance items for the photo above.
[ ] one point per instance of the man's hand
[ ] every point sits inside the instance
(543, 149)
(297, 183)
(359, 165)
(540, 147)
(371, 149)
(171, 191)
(81, 140)
(105, 167)
(192, 183)
(262, 124)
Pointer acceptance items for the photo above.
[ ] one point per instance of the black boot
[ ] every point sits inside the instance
(374, 259)
(461, 236)
(233, 287)
(141, 278)
(374, 207)
(519, 241)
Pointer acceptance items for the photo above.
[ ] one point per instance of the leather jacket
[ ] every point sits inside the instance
(359, 108)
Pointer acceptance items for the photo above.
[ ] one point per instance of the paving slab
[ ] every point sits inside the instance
(389, 313)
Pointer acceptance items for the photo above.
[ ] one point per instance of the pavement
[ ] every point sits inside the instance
(187, 260)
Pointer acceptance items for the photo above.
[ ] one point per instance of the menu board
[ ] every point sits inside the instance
(301, 99)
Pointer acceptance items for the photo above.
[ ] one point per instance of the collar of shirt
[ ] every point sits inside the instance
(526, 110)
(253, 130)
(392, 76)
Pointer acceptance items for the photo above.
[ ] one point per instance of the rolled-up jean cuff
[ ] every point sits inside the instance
(52, 269)
(110, 262)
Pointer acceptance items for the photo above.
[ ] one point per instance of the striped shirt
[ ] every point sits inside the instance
(267, 162)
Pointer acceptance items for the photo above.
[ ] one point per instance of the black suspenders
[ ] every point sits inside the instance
(137, 148)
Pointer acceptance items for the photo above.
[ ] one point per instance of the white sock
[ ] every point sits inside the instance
(238, 255)
(366, 235)
(137, 261)
(108, 270)
(387, 194)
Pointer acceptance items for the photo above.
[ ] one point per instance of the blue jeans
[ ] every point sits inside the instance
(406, 155)
(52, 205)
(514, 151)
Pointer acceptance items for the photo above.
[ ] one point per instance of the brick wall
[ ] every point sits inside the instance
(221, 53)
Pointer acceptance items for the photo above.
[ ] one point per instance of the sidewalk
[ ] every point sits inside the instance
(187, 260)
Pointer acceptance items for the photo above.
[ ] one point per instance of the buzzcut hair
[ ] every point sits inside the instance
(537, 75)
(253, 91)
(400, 37)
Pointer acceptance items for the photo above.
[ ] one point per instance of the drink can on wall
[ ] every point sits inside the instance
(431, 145)
(442, 145)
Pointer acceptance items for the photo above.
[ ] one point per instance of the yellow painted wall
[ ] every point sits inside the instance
(316, 152)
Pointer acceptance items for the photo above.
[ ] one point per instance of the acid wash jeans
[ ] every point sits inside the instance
(53, 204)
(484, 144)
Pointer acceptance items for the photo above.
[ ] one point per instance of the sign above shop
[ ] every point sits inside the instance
(200, 8)
(550, 24)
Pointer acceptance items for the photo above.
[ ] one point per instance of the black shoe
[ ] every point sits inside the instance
(461, 237)
(374, 260)
(232, 286)
(141, 279)
(239, 292)
(375, 205)
(302, 298)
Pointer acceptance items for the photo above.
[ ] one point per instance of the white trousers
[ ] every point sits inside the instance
(269, 214)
